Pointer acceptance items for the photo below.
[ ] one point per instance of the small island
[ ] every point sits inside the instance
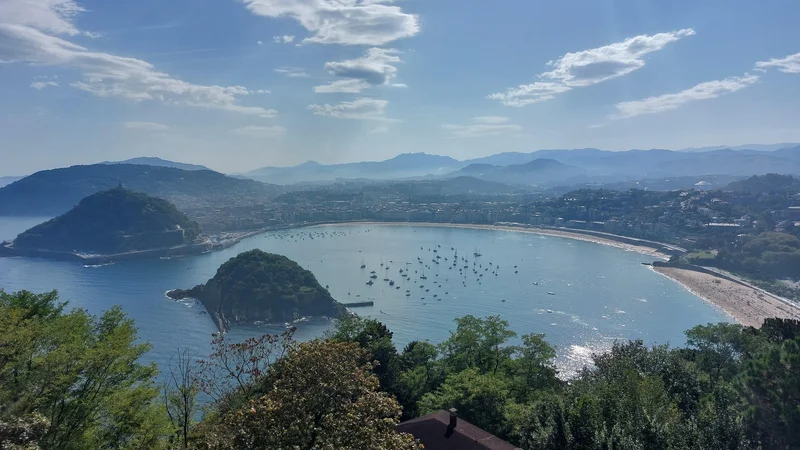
(256, 286)
(112, 225)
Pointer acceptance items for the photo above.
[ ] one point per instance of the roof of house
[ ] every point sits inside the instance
(434, 432)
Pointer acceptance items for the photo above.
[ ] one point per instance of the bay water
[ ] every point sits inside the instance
(583, 296)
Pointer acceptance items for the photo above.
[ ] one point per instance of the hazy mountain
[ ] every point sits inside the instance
(503, 159)
(158, 162)
(401, 166)
(113, 221)
(639, 164)
(766, 184)
(756, 147)
(52, 192)
(536, 172)
(4, 181)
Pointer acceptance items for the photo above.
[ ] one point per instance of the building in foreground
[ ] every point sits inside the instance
(443, 430)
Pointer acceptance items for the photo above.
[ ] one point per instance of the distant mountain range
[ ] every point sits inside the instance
(4, 181)
(758, 147)
(158, 162)
(553, 166)
(52, 192)
(536, 172)
(401, 166)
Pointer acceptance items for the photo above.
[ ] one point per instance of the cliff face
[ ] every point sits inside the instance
(259, 286)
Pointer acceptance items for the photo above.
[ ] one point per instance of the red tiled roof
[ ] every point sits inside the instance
(434, 432)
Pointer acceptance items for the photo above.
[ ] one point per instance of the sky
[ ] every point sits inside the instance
(240, 84)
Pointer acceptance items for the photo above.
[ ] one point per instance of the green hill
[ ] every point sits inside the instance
(52, 192)
(765, 184)
(113, 221)
(260, 286)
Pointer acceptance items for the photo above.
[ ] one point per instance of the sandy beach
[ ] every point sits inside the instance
(747, 305)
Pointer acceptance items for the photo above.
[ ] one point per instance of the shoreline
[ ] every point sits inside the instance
(555, 232)
(746, 304)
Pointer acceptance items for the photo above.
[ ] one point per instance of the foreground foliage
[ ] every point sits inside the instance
(732, 387)
(72, 380)
(69, 380)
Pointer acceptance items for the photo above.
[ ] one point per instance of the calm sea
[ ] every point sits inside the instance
(599, 293)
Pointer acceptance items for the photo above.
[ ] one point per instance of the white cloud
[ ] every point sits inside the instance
(145, 126)
(39, 85)
(373, 69)
(354, 22)
(491, 119)
(482, 126)
(789, 64)
(52, 16)
(259, 42)
(360, 108)
(527, 94)
(589, 67)
(26, 38)
(292, 72)
(349, 86)
(379, 129)
(668, 102)
(259, 132)
(285, 39)
(262, 91)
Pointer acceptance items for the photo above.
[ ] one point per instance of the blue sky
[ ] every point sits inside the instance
(240, 84)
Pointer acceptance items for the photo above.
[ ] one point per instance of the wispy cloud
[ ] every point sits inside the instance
(668, 102)
(258, 132)
(285, 39)
(39, 85)
(349, 86)
(588, 67)
(354, 22)
(145, 126)
(789, 64)
(50, 16)
(482, 126)
(292, 72)
(360, 108)
(379, 129)
(491, 119)
(375, 68)
(27, 35)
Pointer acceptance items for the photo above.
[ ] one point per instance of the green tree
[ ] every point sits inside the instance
(323, 395)
(80, 372)
(721, 349)
(374, 337)
(478, 343)
(480, 399)
(533, 366)
(770, 386)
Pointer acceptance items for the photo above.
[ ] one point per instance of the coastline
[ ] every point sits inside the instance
(606, 239)
(746, 304)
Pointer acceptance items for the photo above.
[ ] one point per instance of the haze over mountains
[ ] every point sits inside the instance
(553, 166)
(52, 192)
(158, 162)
